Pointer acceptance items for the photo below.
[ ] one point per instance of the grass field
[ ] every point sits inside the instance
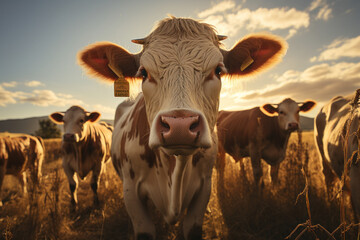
(235, 210)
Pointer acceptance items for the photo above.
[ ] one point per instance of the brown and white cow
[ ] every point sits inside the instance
(259, 133)
(86, 147)
(18, 154)
(336, 119)
(164, 144)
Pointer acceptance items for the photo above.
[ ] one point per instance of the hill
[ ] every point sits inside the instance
(306, 123)
(27, 125)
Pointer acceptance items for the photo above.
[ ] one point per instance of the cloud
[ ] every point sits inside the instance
(6, 97)
(339, 48)
(231, 18)
(42, 98)
(324, 12)
(46, 98)
(104, 109)
(33, 83)
(220, 7)
(9, 84)
(320, 82)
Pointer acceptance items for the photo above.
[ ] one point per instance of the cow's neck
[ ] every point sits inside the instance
(177, 187)
(276, 135)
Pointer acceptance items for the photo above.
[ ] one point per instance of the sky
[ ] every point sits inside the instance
(39, 40)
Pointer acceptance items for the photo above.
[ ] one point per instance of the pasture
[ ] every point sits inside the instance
(235, 210)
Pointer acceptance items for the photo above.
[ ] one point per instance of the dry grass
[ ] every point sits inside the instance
(236, 210)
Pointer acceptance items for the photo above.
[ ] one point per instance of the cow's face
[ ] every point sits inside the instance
(75, 121)
(181, 66)
(288, 113)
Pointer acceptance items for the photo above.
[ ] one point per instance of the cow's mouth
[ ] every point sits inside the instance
(184, 150)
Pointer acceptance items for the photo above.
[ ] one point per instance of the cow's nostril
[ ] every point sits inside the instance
(164, 124)
(194, 125)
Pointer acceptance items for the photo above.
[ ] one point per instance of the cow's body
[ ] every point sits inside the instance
(18, 154)
(164, 144)
(335, 120)
(252, 133)
(85, 150)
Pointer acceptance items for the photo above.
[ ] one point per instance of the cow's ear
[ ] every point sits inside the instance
(93, 117)
(307, 106)
(97, 57)
(254, 53)
(57, 117)
(269, 110)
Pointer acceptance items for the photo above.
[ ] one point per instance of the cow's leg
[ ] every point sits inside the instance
(355, 190)
(330, 178)
(143, 226)
(274, 173)
(94, 183)
(23, 181)
(73, 182)
(2, 175)
(256, 163)
(192, 225)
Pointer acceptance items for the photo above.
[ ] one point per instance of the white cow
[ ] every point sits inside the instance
(335, 120)
(86, 146)
(164, 144)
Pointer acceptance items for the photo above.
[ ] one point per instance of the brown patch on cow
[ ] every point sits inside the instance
(140, 128)
(132, 173)
(196, 158)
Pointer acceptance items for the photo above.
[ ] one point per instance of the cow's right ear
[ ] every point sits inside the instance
(269, 110)
(57, 117)
(96, 58)
(254, 54)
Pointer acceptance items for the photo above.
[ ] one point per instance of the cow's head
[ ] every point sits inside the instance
(181, 65)
(287, 112)
(75, 121)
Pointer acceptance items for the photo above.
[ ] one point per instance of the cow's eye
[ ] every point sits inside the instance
(81, 121)
(281, 112)
(218, 71)
(144, 74)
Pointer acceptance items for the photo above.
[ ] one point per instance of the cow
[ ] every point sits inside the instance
(19, 154)
(337, 133)
(259, 133)
(86, 147)
(164, 143)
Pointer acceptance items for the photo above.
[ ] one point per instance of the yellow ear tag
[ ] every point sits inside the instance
(121, 86)
(246, 63)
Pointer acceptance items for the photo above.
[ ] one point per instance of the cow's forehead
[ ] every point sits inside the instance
(288, 105)
(74, 112)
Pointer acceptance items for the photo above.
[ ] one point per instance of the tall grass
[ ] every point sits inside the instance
(235, 211)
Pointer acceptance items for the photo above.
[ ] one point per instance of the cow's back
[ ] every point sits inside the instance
(236, 129)
(330, 129)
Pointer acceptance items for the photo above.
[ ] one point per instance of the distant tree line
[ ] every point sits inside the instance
(48, 129)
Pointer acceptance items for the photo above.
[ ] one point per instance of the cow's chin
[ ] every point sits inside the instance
(179, 150)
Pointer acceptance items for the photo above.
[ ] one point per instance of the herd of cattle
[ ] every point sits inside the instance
(165, 142)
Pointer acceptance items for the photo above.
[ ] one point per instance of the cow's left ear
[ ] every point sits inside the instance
(307, 106)
(254, 53)
(93, 117)
(97, 57)
(57, 117)
(269, 110)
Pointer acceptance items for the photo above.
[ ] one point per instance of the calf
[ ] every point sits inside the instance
(337, 133)
(18, 154)
(86, 146)
(259, 133)
(164, 144)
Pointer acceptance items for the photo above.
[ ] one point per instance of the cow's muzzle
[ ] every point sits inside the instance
(181, 132)
(70, 137)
